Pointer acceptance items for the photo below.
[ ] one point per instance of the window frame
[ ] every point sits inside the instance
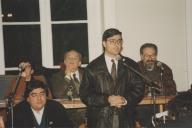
(94, 22)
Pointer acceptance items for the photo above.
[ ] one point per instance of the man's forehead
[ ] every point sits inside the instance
(38, 90)
(115, 37)
(149, 50)
(72, 53)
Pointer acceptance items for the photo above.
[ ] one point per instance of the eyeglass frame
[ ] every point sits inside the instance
(115, 42)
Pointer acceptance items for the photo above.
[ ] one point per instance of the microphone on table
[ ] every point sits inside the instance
(149, 82)
(160, 65)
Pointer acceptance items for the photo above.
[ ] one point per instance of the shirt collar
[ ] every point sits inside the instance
(38, 115)
(109, 63)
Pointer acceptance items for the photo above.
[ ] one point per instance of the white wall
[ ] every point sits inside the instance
(167, 23)
(158, 21)
(189, 38)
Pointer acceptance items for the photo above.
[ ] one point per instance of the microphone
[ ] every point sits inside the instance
(160, 65)
(22, 66)
(150, 83)
(120, 58)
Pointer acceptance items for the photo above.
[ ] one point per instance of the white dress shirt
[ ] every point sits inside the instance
(71, 76)
(38, 115)
(109, 63)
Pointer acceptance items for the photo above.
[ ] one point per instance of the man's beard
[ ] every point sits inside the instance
(149, 66)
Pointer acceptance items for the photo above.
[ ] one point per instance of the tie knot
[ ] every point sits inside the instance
(113, 70)
(75, 78)
(112, 60)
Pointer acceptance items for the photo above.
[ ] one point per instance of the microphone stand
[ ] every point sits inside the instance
(149, 82)
(10, 99)
(154, 119)
(154, 87)
(162, 87)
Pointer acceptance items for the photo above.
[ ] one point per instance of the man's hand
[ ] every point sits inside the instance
(117, 101)
(69, 70)
(28, 71)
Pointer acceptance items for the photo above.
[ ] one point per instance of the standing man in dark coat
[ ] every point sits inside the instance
(110, 90)
(37, 111)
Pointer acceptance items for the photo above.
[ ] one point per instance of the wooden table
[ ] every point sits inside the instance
(76, 103)
(159, 100)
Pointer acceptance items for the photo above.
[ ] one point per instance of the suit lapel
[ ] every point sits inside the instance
(120, 71)
(120, 74)
(80, 74)
(33, 121)
(114, 86)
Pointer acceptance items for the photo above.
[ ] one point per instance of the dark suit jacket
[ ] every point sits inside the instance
(55, 116)
(97, 85)
(61, 85)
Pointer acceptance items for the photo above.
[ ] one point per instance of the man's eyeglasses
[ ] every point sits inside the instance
(150, 56)
(73, 59)
(115, 42)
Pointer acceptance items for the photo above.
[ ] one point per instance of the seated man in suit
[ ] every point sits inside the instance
(65, 84)
(26, 76)
(159, 73)
(37, 111)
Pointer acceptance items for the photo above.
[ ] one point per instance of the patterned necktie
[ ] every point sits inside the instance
(115, 119)
(113, 70)
(77, 83)
(75, 78)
